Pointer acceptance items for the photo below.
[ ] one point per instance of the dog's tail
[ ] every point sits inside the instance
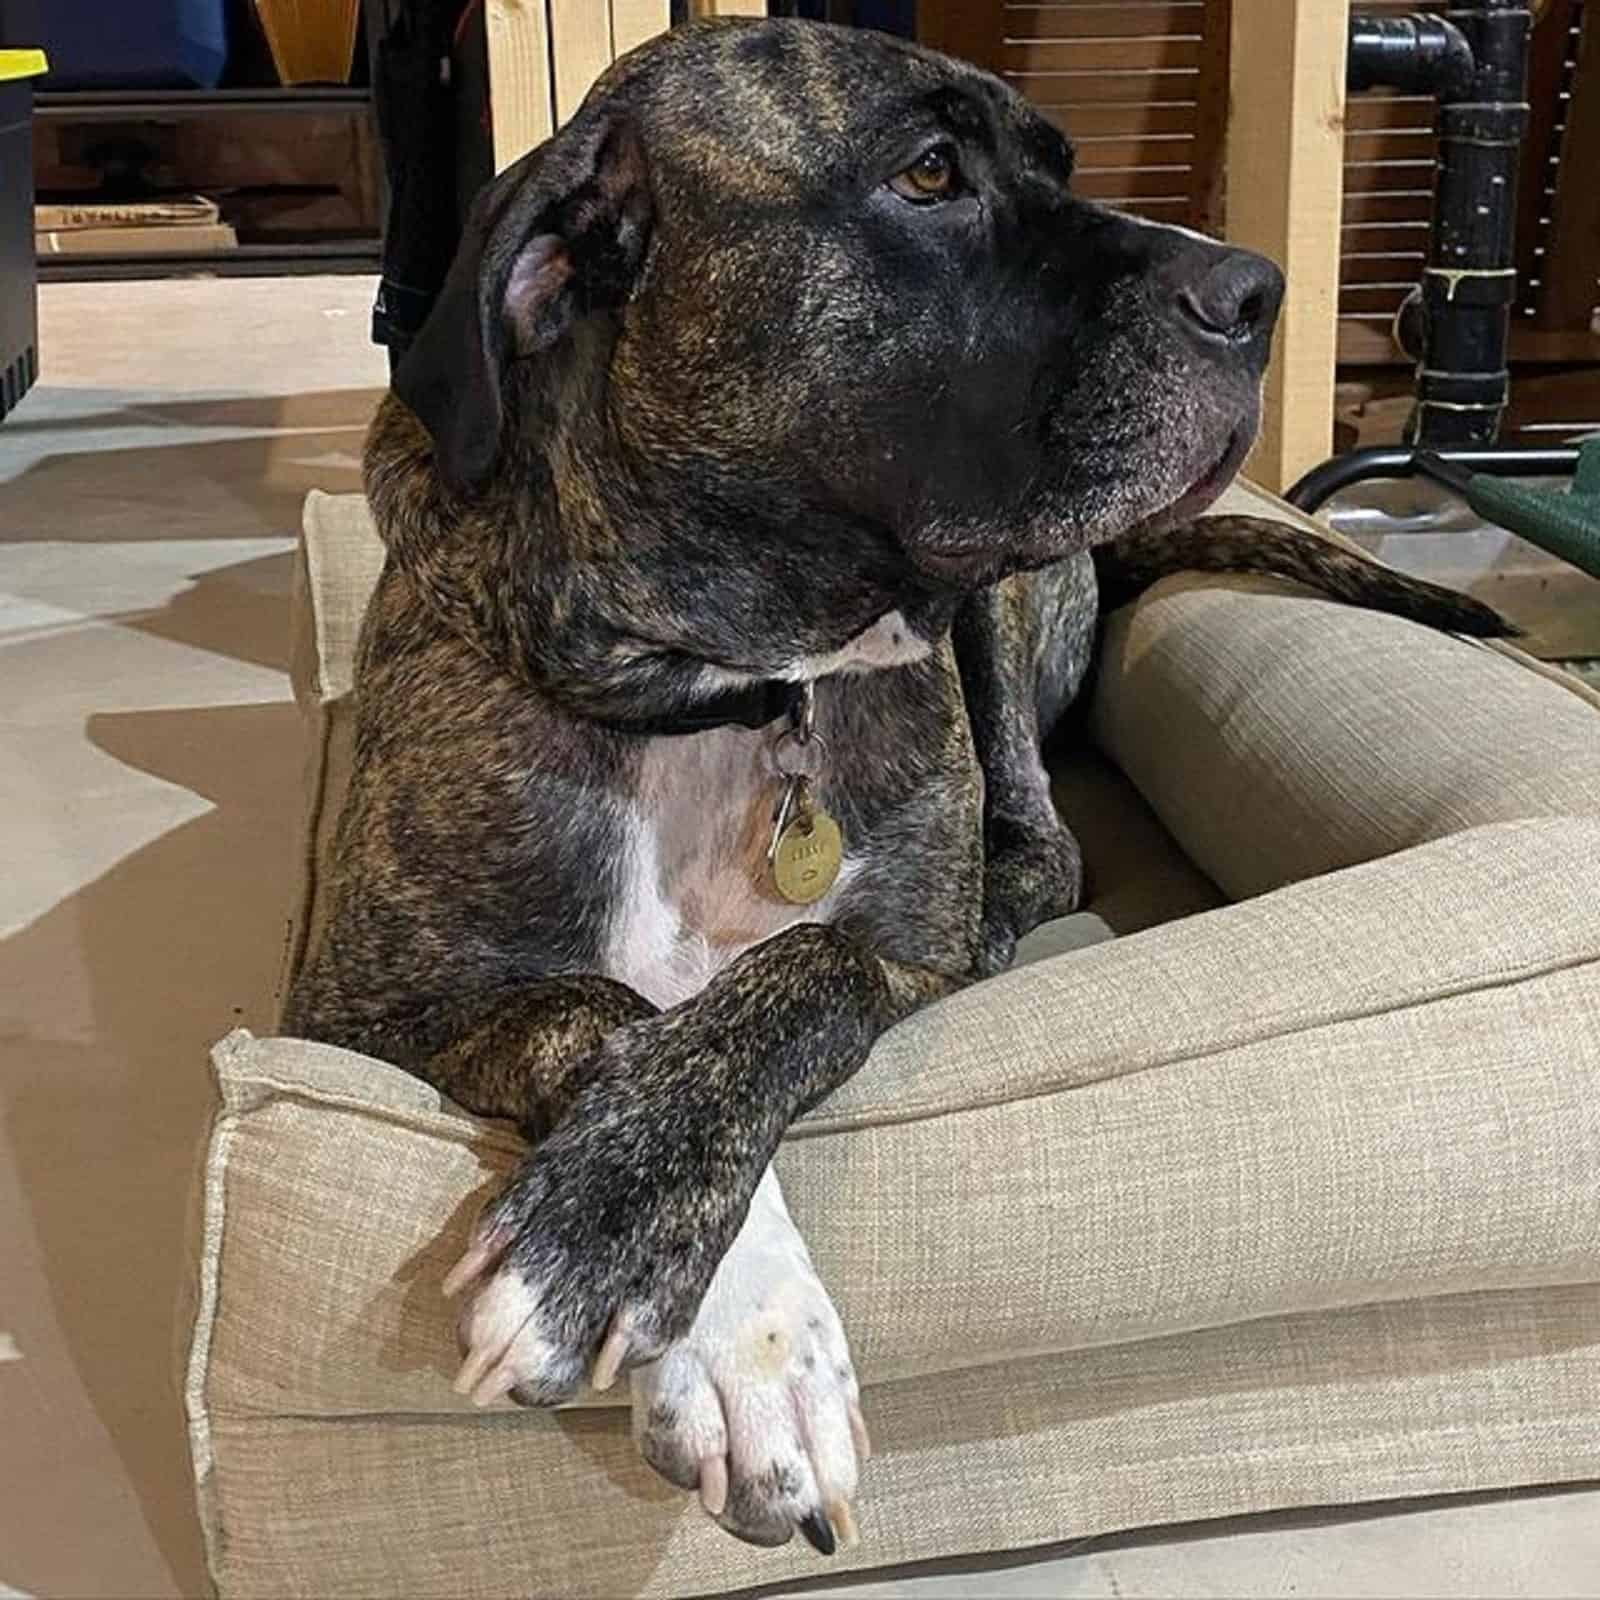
(1127, 566)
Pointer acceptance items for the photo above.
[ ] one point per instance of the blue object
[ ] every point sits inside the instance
(134, 44)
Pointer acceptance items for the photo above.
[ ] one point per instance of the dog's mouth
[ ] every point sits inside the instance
(980, 562)
(1212, 481)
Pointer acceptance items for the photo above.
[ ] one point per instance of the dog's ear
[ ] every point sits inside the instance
(557, 237)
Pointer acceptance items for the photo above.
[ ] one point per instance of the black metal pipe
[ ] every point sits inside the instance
(1475, 59)
(1470, 280)
(1416, 54)
(1320, 484)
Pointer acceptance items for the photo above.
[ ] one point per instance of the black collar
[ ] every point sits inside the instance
(752, 705)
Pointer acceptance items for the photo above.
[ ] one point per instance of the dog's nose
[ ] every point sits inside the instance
(1231, 298)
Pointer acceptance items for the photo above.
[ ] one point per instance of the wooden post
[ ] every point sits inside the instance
(521, 104)
(544, 55)
(634, 21)
(728, 8)
(580, 48)
(1285, 194)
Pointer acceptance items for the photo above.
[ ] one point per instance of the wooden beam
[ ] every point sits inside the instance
(728, 8)
(634, 21)
(580, 48)
(521, 106)
(1285, 188)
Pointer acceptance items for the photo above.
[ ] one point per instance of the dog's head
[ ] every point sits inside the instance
(783, 272)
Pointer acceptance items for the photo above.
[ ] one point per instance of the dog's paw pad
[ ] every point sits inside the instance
(759, 1408)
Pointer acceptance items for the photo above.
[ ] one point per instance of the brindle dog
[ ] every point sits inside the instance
(790, 359)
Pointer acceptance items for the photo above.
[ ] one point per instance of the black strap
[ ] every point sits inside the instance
(754, 705)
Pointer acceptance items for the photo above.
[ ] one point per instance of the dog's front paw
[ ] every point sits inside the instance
(758, 1407)
(1031, 876)
(598, 1252)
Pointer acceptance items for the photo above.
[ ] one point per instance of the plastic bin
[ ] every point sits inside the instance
(19, 313)
(135, 44)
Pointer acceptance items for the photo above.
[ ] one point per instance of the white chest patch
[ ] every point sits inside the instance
(696, 889)
(889, 642)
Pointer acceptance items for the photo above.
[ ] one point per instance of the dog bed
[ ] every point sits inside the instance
(1288, 1194)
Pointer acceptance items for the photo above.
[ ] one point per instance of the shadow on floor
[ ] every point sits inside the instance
(192, 487)
(241, 610)
(171, 948)
(319, 408)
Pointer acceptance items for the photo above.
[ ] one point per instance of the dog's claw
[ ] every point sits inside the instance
(819, 1533)
(479, 1360)
(483, 1252)
(714, 1485)
(844, 1523)
(499, 1382)
(858, 1434)
(612, 1354)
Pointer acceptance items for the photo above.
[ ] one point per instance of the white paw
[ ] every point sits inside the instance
(759, 1407)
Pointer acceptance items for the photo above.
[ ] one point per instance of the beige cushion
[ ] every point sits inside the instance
(1291, 1201)
(1277, 734)
(1206, 1122)
(1415, 1397)
(1047, 1163)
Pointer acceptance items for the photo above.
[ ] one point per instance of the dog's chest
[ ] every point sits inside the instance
(695, 888)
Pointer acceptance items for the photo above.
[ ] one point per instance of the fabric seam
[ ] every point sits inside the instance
(1505, 978)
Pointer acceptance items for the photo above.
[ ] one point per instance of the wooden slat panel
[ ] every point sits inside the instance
(1388, 177)
(1139, 183)
(1102, 88)
(1392, 144)
(1365, 341)
(1381, 267)
(1572, 266)
(1550, 48)
(1208, 180)
(634, 21)
(1388, 208)
(517, 38)
(1104, 21)
(1166, 151)
(1371, 299)
(1407, 237)
(1371, 111)
(960, 28)
(1100, 55)
(1103, 121)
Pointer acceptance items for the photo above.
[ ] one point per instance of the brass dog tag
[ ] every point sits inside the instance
(807, 857)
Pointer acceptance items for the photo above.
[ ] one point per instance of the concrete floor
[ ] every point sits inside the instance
(149, 494)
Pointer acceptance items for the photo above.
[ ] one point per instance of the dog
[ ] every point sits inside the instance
(742, 498)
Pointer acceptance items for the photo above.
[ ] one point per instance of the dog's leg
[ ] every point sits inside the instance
(534, 1050)
(521, 1053)
(758, 1406)
(1023, 647)
(599, 1251)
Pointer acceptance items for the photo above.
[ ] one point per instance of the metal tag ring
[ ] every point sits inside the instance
(797, 757)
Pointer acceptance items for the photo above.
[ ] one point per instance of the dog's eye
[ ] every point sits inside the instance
(932, 176)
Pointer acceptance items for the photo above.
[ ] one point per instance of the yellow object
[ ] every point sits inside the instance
(22, 64)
